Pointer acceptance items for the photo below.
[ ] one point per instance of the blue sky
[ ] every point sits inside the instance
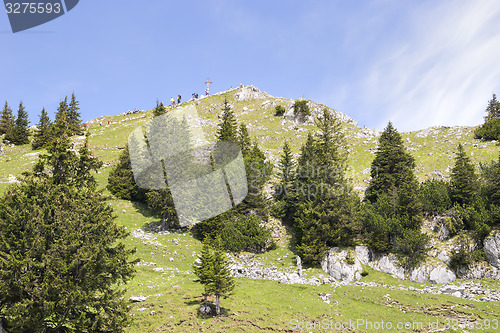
(416, 63)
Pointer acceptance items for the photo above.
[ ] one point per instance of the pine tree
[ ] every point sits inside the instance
(19, 133)
(327, 209)
(121, 182)
(286, 167)
(160, 109)
(61, 250)
(392, 167)
(73, 117)
(203, 266)
(393, 203)
(6, 119)
(42, 133)
(62, 112)
(221, 282)
(490, 130)
(244, 140)
(227, 129)
(493, 109)
(463, 179)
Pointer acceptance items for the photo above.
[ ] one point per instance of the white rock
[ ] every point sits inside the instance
(492, 248)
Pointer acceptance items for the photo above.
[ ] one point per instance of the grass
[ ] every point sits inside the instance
(259, 305)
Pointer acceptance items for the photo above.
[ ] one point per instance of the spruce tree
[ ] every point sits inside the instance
(463, 179)
(286, 167)
(327, 209)
(490, 130)
(6, 119)
(73, 117)
(62, 252)
(19, 133)
(160, 109)
(392, 167)
(42, 132)
(244, 140)
(221, 282)
(393, 203)
(227, 129)
(62, 113)
(203, 267)
(121, 182)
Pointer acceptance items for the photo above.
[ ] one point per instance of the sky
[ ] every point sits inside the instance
(415, 63)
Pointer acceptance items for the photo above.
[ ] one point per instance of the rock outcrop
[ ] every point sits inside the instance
(342, 264)
(345, 265)
(492, 248)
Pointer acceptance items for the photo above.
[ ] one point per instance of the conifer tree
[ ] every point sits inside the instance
(62, 112)
(463, 179)
(42, 133)
(490, 130)
(61, 250)
(19, 133)
(244, 140)
(203, 266)
(73, 116)
(392, 167)
(121, 182)
(160, 109)
(221, 282)
(6, 119)
(286, 167)
(327, 209)
(227, 129)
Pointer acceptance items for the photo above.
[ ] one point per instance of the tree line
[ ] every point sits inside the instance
(16, 128)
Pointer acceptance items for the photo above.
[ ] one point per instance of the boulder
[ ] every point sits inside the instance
(205, 309)
(364, 254)
(338, 264)
(492, 248)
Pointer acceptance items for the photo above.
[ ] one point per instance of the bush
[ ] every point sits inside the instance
(467, 253)
(280, 110)
(413, 244)
(301, 108)
(435, 196)
(238, 232)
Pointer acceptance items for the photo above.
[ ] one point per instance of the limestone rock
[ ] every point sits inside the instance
(492, 248)
(337, 264)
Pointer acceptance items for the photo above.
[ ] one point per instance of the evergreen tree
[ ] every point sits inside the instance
(393, 207)
(19, 133)
(73, 117)
(490, 130)
(42, 133)
(6, 119)
(493, 109)
(463, 181)
(203, 266)
(244, 140)
(327, 209)
(392, 167)
(221, 282)
(227, 129)
(286, 167)
(160, 109)
(162, 203)
(121, 182)
(62, 112)
(61, 250)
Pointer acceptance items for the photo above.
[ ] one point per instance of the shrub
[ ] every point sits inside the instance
(280, 110)
(413, 244)
(301, 108)
(490, 130)
(435, 196)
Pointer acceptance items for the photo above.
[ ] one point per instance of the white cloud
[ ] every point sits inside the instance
(441, 73)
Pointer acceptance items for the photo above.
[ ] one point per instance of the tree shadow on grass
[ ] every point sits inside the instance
(198, 301)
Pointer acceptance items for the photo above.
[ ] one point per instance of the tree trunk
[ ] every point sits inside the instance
(217, 304)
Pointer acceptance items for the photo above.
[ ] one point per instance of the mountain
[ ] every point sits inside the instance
(164, 296)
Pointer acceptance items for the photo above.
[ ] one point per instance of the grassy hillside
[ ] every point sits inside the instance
(260, 305)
